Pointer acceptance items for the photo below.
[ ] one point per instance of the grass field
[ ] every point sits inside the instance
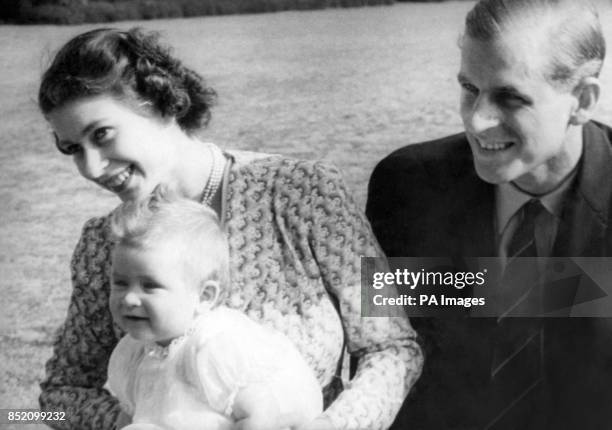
(347, 86)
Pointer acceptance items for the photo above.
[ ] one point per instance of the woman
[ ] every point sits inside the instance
(126, 111)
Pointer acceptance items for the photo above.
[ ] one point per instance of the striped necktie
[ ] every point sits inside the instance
(516, 368)
(523, 242)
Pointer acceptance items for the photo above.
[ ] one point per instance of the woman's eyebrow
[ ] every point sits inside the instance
(86, 130)
(90, 127)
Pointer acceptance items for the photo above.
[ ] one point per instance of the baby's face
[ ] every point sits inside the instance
(151, 297)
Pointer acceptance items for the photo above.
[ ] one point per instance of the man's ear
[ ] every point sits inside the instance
(587, 96)
(209, 293)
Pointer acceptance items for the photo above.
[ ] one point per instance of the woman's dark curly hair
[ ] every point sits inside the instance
(127, 64)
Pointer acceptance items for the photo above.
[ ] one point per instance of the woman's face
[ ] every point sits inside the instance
(116, 147)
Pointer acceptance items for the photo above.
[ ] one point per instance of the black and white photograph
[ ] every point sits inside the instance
(306, 215)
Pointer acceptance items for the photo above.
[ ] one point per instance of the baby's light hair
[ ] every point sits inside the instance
(166, 219)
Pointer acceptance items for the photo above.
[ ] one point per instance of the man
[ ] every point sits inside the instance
(529, 87)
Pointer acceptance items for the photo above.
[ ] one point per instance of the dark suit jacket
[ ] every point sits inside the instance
(426, 200)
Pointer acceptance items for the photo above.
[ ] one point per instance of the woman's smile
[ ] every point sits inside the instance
(117, 182)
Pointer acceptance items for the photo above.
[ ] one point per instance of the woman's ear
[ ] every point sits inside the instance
(587, 95)
(209, 293)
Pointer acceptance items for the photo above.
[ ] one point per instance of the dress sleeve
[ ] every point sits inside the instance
(76, 372)
(389, 358)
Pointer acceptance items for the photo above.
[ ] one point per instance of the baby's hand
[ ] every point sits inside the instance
(143, 426)
(256, 424)
(124, 422)
(256, 408)
(320, 423)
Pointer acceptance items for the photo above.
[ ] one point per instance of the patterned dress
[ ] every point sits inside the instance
(295, 239)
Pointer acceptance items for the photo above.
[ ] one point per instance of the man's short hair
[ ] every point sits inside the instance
(579, 44)
(165, 219)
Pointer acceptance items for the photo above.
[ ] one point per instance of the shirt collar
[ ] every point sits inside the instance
(509, 199)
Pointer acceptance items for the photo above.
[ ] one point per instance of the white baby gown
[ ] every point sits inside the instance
(192, 383)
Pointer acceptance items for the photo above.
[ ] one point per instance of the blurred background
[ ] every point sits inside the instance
(80, 11)
(346, 85)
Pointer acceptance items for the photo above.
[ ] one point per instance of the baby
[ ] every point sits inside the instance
(187, 362)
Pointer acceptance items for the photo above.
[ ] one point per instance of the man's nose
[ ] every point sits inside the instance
(483, 116)
(93, 163)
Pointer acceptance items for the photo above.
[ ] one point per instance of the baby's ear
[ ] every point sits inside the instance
(209, 292)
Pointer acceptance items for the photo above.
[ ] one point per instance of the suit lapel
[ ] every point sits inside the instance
(584, 219)
(475, 215)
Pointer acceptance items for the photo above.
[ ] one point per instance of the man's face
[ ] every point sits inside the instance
(516, 122)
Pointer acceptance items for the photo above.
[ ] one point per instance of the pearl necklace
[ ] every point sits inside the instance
(216, 174)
